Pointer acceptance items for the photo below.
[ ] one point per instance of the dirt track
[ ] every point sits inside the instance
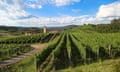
(11, 61)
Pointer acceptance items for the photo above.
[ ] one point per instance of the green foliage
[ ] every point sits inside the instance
(42, 38)
(19, 30)
(11, 50)
(46, 56)
(113, 27)
(14, 46)
(79, 48)
(71, 49)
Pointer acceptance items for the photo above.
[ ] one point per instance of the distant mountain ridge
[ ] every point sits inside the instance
(13, 28)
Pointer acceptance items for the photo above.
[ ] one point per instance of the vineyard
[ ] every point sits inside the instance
(39, 38)
(73, 49)
(11, 50)
(11, 47)
(65, 50)
(59, 35)
(14, 46)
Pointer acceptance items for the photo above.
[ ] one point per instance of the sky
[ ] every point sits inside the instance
(37, 13)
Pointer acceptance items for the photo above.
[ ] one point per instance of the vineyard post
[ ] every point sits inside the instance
(109, 47)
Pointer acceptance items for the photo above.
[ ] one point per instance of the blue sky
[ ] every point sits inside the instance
(83, 7)
(36, 13)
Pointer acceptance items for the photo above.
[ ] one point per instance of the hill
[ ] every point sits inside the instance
(113, 27)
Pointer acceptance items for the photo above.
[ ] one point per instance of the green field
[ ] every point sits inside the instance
(74, 51)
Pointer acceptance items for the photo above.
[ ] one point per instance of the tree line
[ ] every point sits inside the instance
(114, 26)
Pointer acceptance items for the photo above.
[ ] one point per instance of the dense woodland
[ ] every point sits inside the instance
(19, 30)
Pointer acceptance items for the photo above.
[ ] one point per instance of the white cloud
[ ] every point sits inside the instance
(34, 6)
(105, 14)
(64, 2)
(9, 12)
(13, 14)
(110, 10)
(35, 3)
